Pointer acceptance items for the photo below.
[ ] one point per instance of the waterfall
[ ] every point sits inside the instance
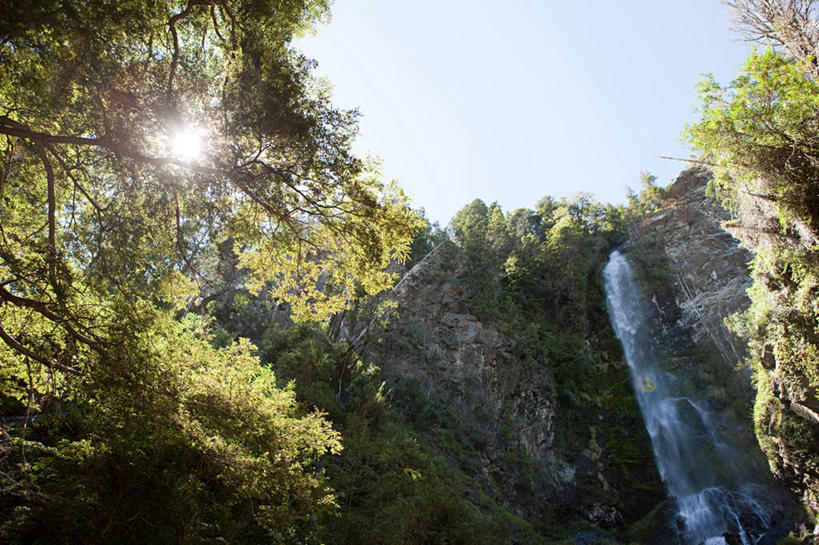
(718, 499)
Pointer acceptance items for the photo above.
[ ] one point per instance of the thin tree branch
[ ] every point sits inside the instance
(52, 217)
(694, 161)
(175, 36)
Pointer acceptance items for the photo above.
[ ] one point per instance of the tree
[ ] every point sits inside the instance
(524, 222)
(789, 25)
(498, 233)
(650, 197)
(470, 224)
(428, 237)
(139, 137)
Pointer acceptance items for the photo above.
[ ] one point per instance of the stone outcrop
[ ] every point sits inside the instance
(469, 364)
(709, 270)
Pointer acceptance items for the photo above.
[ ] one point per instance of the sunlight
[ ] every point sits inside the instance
(187, 143)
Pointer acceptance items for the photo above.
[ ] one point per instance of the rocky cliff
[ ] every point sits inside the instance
(709, 270)
(460, 380)
(697, 275)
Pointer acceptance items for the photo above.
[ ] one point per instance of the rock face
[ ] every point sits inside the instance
(467, 363)
(498, 416)
(709, 270)
(697, 276)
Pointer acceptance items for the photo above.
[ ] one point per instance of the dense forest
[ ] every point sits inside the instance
(220, 325)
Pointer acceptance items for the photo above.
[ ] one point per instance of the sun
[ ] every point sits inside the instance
(187, 143)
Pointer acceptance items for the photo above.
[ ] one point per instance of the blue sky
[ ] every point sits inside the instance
(511, 101)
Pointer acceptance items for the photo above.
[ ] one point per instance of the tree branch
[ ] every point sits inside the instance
(52, 218)
(17, 346)
(694, 161)
(43, 309)
(175, 35)
(237, 177)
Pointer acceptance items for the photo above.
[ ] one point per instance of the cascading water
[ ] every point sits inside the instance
(717, 499)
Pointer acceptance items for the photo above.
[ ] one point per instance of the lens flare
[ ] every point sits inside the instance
(187, 143)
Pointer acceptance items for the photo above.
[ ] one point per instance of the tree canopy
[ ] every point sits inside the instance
(139, 139)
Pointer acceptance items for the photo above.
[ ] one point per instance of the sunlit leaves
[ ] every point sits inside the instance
(761, 132)
(112, 228)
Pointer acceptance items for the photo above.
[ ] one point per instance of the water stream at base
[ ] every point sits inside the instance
(719, 500)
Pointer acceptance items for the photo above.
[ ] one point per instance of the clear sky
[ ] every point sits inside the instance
(511, 101)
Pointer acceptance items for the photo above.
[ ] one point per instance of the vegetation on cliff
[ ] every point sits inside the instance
(761, 134)
(535, 274)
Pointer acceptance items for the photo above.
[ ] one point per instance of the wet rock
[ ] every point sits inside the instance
(605, 516)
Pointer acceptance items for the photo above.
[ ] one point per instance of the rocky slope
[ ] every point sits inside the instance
(509, 432)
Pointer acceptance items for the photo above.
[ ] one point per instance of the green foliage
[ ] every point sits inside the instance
(790, 540)
(761, 133)
(649, 199)
(537, 275)
(174, 439)
(276, 175)
(135, 422)
(400, 477)
(395, 491)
